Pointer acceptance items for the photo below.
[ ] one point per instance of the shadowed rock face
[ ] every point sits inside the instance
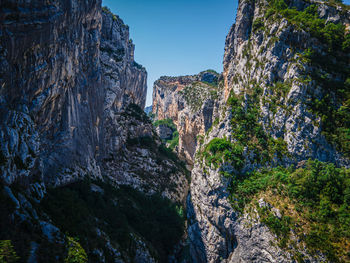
(46, 81)
(65, 67)
(71, 100)
(125, 81)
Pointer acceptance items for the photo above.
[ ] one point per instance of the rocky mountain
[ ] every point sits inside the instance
(259, 190)
(86, 175)
(79, 159)
(286, 74)
(189, 102)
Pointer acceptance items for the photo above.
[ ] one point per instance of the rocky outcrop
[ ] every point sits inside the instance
(164, 132)
(125, 81)
(264, 63)
(189, 102)
(140, 160)
(253, 56)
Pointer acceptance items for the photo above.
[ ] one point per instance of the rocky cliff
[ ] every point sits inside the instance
(47, 81)
(59, 86)
(75, 144)
(189, 102)
(286, 74)
(84, 174)
(124, 78)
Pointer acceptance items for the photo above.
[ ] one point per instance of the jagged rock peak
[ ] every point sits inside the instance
(126, 80)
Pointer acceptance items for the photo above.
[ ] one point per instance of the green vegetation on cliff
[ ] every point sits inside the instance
(329, 69)
(173, 141)
(7, 252)
(314, 201)
(219, 150)
(196, 93)
(76, 254)
(246, 132)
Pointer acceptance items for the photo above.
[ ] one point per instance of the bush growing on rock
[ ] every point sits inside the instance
(7, 252)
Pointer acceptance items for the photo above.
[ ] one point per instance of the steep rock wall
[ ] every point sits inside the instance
(125, 81)
(66, 68)
(189, 102)
(70, 113)
(262, 50)
(47, 81)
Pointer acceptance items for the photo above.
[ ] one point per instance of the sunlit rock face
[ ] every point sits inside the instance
(125, 81)
(189, 102)
(259, 53)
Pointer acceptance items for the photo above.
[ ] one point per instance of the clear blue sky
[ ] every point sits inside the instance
(176, 37)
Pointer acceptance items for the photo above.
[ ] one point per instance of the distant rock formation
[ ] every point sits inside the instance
(189, 102)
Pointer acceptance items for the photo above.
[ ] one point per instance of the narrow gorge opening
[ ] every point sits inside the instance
(111, 154)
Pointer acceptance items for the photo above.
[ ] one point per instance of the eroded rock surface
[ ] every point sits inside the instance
(71, 100)
(259, 53)
(189, 102)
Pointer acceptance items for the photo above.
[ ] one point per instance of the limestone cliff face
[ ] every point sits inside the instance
(138, 159)
(66, 68)
(125, 80)
(47, 81)
(70, 109)
(254, 58)
(264, 54)
(189, 102)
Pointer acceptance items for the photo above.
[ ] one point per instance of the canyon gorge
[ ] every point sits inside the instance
(248, 165)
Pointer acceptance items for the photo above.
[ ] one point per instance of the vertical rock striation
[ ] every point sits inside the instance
(71, 95)
(125, 81)
(67, 68)
(50, 69)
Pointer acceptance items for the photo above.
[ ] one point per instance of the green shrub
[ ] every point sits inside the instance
(166, 122)
(174, 141)
(7, 252)
(220, 150)
(258, 24)
(76, 254)
(107, 10)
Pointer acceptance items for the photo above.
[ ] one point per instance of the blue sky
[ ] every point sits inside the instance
(176, 37)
